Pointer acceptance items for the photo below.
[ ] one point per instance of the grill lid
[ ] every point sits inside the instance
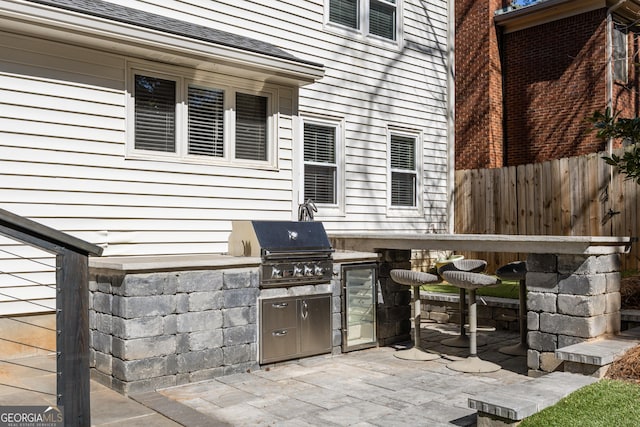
(263, 238)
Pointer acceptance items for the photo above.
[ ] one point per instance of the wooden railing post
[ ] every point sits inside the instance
(72, 304)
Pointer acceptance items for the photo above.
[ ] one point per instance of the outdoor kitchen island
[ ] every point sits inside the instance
(573, 282)
(168, 320)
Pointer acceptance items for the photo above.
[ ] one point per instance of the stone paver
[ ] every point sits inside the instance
(363, 388)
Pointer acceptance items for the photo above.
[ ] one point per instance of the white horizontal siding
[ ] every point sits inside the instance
(63, 135)
(27, 279)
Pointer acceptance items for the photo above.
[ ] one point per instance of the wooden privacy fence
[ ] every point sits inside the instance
(573, 196)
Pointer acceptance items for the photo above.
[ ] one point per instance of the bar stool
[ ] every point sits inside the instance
(472, 266)
(471, 282)
(415, 279)
(517, 270)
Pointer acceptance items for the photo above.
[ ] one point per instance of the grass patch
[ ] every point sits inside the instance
(605, 403)
(504, 290)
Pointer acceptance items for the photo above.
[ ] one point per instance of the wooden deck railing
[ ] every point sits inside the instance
(72, 310)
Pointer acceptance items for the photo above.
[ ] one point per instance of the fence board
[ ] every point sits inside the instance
(569, 196)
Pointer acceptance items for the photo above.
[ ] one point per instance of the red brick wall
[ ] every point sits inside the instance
(478, 86)
(555, 77)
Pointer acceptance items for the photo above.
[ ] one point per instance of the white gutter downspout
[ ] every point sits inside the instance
(609, 53)
(451, 113)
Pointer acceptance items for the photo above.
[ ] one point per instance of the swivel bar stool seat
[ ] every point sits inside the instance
(517, 271)
(472, 266)
(471, 282)
(415, 279)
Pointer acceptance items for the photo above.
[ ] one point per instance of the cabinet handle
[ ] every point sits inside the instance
(280, 304)
(305, 310)
(280, 333)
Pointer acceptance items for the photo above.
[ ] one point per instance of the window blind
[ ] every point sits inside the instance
(403, 189)
(206, 121)
(403, 175)
(344, 12)
(403, 152)
(155, 114)
(251, 127)
(382, 19)
(320, 147)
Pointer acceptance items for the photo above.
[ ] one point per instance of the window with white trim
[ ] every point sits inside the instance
(404, 171)
(177, 117)
(377, 18)
(320, 163)
(620, 49)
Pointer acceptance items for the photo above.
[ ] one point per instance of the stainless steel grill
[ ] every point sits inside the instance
(292, 252)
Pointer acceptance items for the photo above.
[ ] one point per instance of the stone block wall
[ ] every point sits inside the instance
(570, 299)
(156, 330)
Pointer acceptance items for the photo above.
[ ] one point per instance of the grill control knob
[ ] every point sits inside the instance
(308, 271)
(297, 271)
(276, 273)
(318, 271)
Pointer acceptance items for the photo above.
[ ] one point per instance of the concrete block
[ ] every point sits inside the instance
(613, 321)
(172, 364)
(141, 386)
(103, 322)
(142, 285)
(609, 263)
(194, 281)
(613, 282)
(182, 343)
(238, 316)
(199, 321)
(542, 282)
(541, 301)
(101, 302)
(100, 341)
(577, 264)
(137, 328)
(198, 360)
(240, 297)
(239, 335)
(582, 305)
(533, 321)
(144, 348)
(132, 307)
(567, 340)
(533, 359)
(182, 302)
(541, 341)
(543, 263)
(236, 354)
(201, 301)
(584, 327)
(240, 278)
(583, 284)
(102, 362)
(203, 340)
(132, 370)
(170, 324)
(613, 302)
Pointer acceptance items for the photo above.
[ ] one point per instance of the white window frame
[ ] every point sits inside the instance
(620, 34)
(326, 209)
(395, 210)
(362, 33)
(184, 78)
